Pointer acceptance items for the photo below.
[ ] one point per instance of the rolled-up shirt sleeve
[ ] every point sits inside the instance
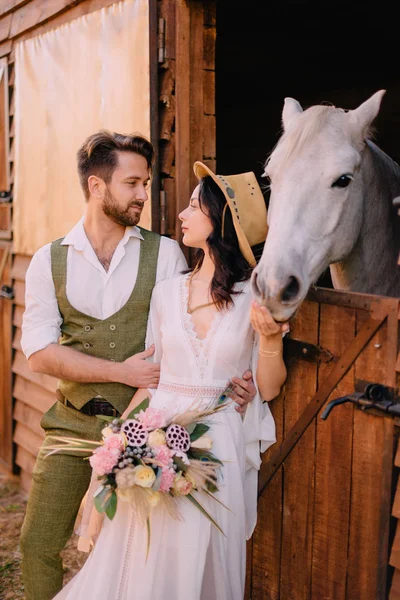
(41, 324)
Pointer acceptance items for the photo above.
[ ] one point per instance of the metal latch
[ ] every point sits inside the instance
(374, 396)
(7, 292)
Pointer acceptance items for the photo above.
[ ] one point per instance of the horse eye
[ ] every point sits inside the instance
(342, 182)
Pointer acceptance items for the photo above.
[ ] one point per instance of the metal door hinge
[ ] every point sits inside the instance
(161, 40)
(7, 292)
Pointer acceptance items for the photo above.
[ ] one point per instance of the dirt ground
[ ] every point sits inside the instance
(12, 509)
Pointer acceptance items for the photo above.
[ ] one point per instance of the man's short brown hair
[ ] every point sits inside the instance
(98, 155)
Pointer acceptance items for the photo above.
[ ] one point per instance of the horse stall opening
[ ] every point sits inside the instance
(325, 529)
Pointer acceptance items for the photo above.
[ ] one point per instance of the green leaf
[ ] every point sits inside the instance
(108, 419)
(211, 487)
(198, 431)
(181, 465)
(142, 406)
(190, 428)
(111, 507)
(100, 499)
(201, 508)
(157, 482)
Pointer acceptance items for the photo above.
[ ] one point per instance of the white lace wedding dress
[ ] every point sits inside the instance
(189, 559)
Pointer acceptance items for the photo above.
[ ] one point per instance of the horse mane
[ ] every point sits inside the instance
(304, 128)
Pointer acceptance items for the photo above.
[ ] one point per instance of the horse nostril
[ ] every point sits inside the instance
(255, 283)
(291, 290)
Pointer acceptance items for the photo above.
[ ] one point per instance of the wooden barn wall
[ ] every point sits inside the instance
(32, 393)
(186, 88)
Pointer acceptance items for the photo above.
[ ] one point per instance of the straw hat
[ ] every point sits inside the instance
(247, 205)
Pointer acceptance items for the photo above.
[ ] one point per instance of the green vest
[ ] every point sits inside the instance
(116, 338)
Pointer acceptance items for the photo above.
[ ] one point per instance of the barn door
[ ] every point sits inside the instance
(324, 511)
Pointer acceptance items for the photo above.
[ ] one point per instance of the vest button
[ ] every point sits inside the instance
(112, 344)
(112, 327)
(87, 328)
(86, 345)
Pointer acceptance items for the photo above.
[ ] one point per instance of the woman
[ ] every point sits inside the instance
(206, 329)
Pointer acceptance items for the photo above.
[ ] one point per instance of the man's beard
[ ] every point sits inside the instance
(126, 217)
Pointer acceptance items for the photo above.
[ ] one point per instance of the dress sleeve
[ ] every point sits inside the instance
(259, 429)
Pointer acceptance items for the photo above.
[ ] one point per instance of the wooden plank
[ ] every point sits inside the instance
(19, 293)
(182, 118)
(73, 10)
(20, 367)
(210, 16)
(10, 5)
(18, 314)
(5, 210)
(17, 339)
(169, 188)
(4, 138)
(333, 466)
(249, 568)
(210, 36)
(27, 439)
(298, 510)
(196, 86)
(5, 24)
(167, 118)
(267, 537)
(5, 365)
(167, 82)
(29, 417)
(395, 551)
(5, 48)
(35, 13)
(20, 266)
(25, 460)
(209, 92)
(167, 155)
(395, 588)
(210, 137)
(33, 395)
(373, 446)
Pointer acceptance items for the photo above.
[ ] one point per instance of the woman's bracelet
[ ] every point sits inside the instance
(269, 353)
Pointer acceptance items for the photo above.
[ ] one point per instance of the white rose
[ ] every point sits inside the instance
(203, 443)
(106, 432)
(156, 438)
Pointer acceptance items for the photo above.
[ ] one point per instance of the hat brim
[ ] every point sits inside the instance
(201, 170)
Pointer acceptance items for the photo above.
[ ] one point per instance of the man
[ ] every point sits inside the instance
(87, 302)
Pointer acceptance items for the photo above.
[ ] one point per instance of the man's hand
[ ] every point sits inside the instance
(137, 372)
(244, 391)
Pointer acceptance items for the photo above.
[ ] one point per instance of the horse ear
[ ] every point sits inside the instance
(291, 109)
(363, 116)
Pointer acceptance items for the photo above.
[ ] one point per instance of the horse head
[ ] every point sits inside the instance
(315, 212)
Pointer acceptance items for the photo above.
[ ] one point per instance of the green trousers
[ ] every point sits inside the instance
(59, 484)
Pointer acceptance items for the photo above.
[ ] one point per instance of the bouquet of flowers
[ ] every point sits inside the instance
(146, 459)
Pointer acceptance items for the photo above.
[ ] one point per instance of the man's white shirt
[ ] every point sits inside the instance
(90, 289)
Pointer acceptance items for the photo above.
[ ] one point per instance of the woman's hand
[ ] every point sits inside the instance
(264, 323)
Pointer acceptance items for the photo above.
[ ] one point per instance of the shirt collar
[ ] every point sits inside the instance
(78, 239)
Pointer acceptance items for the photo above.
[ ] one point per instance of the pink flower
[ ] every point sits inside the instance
(164, 455)
(167, 479)
(114, 441)
(151, 418)
(104, 459)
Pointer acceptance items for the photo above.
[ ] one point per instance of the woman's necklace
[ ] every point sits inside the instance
(191, 310)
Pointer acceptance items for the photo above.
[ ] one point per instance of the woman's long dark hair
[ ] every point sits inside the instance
(230, 264)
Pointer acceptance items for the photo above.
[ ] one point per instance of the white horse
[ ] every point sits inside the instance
(331, 203)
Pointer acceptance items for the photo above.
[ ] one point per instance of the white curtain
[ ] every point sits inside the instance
(89, 74)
